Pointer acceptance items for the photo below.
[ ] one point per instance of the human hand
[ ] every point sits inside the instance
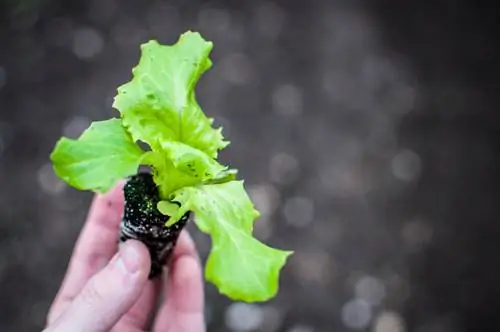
(105, 290)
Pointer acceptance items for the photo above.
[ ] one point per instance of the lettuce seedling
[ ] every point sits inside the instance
(158, 107)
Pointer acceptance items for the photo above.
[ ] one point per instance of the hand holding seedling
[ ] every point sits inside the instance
(187, 181)
(106, 290)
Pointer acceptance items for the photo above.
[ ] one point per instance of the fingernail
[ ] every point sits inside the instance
(129, 258)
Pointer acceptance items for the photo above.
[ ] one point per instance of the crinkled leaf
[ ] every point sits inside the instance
(239, 265)
(102, 155)
(223, 177)
(165, 175)
(191, 161)
(177, 165)
(159, 103)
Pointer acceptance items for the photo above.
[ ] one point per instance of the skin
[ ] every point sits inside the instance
(106, 286)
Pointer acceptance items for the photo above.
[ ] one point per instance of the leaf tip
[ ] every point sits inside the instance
(149, 44)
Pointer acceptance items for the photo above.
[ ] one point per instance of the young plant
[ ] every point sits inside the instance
(158, 107)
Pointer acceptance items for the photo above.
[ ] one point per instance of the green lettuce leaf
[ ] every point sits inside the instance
(165, 175)
(177, 165)
(167, 208)
(191, 161)
(159, 103)
(101, 156)
(239, 265)
(223, 177)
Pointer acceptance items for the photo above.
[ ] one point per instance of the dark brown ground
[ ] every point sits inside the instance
(366, 134)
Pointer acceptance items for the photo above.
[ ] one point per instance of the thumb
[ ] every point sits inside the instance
(109, 294)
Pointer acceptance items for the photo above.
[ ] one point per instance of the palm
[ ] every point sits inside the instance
(181, 311)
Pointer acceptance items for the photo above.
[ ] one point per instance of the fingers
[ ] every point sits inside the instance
(139, 317)
(96, 245)
(109, 294)
(184, 307)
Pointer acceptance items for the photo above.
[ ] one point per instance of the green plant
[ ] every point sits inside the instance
(159, 108)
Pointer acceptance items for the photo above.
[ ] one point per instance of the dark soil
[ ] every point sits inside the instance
(142, 221)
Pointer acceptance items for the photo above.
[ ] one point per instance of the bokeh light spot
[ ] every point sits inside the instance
(406, 165)
(48, 181)
(244, 317)
(356, 314)
(370, 289)
(389, 321)
(299, 211)
(87, 43)
(283, 168)
(214, 20)
(301, 328)
(287, 100)
(237, 69)
(76, 126)
(269, 20)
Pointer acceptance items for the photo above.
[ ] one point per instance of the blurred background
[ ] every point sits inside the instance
(365, 131)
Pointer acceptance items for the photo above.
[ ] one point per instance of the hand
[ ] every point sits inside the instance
(108, 291)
